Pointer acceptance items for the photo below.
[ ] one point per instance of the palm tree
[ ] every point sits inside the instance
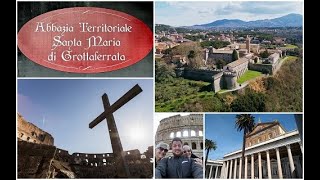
(246, 123)
(210, 145)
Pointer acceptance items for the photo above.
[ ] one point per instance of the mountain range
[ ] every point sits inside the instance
(290, 20)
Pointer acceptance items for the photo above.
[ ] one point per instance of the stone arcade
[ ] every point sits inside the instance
(39, 158)
(188, 128)
(271, 152)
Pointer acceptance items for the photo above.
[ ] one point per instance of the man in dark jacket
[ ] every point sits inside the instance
(178, 166)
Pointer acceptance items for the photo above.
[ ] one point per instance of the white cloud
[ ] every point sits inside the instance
(190, 13)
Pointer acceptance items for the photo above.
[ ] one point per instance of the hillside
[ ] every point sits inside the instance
(284, 90)
(290, 20)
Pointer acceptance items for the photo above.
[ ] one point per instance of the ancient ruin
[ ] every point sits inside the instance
(39, 158)
(189, 128)
(31, 133)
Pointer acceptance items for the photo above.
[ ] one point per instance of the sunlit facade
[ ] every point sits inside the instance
(271, 152)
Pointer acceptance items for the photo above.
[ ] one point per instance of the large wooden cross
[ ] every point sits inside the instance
(123, 169)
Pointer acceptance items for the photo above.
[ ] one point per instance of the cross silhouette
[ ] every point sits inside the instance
(123, 169)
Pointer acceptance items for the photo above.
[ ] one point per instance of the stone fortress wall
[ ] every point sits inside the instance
(219, 79)
(196, 74)
(222, 79)
(189, 128)
(233, 70)
(272, 68)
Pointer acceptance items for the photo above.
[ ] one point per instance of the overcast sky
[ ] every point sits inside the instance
(186, 13)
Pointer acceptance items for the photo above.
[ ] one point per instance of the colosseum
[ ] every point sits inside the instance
(31, 133)
(189, 128)
(39, 158)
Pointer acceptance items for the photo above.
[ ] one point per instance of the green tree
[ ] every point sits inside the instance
(269, 82)
(163, 39)
(245, 123)
(163, 72)
(209, 145)
(220, 63)
(285, 89)
(184, 49)
(191, 54)
(264, 54)
(167, 51)
(194, 58)
(265, 71)
(250, 102)
(215, 44)
(235, 55)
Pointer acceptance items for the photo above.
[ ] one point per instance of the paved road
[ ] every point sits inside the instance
(235, 89)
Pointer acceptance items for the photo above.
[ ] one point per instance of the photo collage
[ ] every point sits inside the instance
(160, 89)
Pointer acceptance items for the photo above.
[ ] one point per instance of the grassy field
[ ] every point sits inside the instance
(290, 46)
(185, 103)
(177, 88)
(222, 90)
(248, 75)
(182, 95)
(290, 58)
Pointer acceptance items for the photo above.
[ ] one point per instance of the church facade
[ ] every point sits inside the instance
(271, 152)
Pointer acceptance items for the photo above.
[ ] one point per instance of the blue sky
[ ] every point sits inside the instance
(221, 129)
(65, 107)
(186, 13)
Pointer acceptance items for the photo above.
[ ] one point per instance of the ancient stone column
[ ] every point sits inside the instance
(301, 147)
(235, 169)
(240, 168)
(291, 161)
(252, 166)
(210, 172)
(230, 172)
(268, 165)
(246, 167)
(226, 173)
(279, 164)
(222, 170)
(259, 165)
(216, 174)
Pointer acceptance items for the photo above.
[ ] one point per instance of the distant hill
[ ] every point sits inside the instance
(290, 20)
(163, 27)
(223, 23)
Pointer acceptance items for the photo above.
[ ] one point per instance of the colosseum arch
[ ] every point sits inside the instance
(194, 145)
(193, 133)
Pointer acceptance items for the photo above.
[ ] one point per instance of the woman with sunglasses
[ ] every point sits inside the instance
(188, 153)
(161, 151)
